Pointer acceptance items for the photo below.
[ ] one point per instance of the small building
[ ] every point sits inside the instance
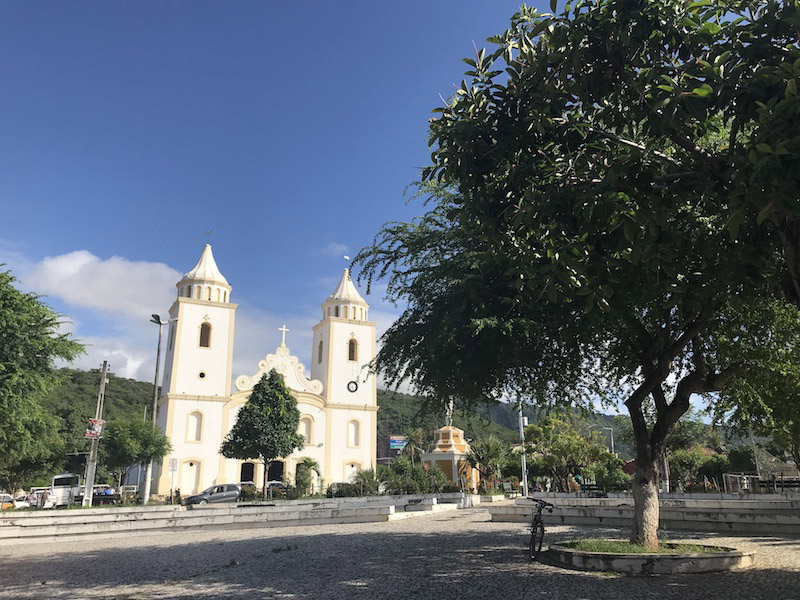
(449, 452)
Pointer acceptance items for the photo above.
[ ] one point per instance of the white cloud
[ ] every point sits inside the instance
(335, 249)
(126, 357)
(115, 285)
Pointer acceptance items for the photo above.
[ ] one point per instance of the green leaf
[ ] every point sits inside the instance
(765, 212)
(734, 222)
(791, 88)
(703, 91)
(764, 148)
(553, 5)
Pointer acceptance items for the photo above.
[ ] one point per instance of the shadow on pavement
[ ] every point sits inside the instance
(481, 564)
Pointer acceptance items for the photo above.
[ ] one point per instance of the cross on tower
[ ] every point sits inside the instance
(283, 330)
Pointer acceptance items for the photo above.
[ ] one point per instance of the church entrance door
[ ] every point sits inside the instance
(275, 472)
(247, 472)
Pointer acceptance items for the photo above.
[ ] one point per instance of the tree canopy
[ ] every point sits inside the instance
(31, 339)
(131, 441)
(266, 426)
(601, 221)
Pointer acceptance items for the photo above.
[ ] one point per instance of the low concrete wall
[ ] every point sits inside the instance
(52, 525)
(750, 520)
(700, 503)
(653, 564)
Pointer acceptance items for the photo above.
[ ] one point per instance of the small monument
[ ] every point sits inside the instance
(449, 452)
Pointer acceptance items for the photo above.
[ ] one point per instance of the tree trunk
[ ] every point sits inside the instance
(266, 471)
(645, 509)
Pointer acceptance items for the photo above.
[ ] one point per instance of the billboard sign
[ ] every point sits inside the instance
(397, 442)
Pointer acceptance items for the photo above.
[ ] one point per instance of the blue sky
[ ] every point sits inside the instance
(289, 130)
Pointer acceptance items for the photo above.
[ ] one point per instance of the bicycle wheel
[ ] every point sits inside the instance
(537, 537)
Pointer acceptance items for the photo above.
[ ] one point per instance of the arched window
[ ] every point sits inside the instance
(336, 312)
(194, 427)
(319, 352)
(218, 294)
(205, 335)
(197, 291)
(353, 434)
(225, 296)
(208, 294)
(352, 350)
(306, 428)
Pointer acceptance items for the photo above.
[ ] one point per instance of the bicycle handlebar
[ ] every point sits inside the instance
(542, 502)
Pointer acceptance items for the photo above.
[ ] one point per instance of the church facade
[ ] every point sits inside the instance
(197, 408)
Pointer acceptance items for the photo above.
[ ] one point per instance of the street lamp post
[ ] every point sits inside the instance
(149, 474)
(611, 431)
(523, 421)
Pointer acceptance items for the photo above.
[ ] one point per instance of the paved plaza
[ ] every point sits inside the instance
(456, 555)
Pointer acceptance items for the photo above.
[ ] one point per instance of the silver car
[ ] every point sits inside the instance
(228, 492)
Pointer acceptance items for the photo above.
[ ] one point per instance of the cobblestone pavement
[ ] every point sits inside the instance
(443, 556)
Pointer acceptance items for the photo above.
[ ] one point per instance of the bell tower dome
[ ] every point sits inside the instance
(199, 351)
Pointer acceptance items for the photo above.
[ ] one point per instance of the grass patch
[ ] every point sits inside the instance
(623, 547)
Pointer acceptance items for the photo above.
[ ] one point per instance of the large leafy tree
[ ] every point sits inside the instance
(30, 341)
(131, 441)
(600, 229)
(562, 451)
(266, 427)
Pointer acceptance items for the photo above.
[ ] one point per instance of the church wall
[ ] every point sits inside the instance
(343, 370)
(191, 360)
(205, 450)
(343, 451)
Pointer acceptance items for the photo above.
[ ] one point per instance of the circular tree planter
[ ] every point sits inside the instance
(726, 559)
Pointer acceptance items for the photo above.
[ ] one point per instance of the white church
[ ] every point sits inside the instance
(337, 403)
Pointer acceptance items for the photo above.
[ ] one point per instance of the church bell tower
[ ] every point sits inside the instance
(199, 352)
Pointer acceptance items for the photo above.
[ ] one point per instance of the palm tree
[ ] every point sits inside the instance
(488, 455)
(368, 481)
(417, 443)
(302, 476)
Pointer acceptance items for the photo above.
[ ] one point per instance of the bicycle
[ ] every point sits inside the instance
(537, 528)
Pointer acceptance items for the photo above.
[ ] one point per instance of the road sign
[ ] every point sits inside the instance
(173, 465)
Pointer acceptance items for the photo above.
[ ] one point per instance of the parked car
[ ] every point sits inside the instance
(276, 489)
(6, 501)
(229, 492)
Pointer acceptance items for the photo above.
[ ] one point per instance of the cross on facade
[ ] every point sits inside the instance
(283, 330)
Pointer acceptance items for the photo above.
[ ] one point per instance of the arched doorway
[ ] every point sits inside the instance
(247, 472)
(275, 472)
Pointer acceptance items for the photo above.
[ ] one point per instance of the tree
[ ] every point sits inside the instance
(562, 451)
(488, 454)
(131, 441)
(30, 340)
(592, 221)
(417, 443)
(302, 474)
(266, 427)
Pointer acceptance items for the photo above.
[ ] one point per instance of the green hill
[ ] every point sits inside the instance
(74, 400)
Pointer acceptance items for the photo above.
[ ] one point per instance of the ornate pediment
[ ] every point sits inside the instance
(287, 365)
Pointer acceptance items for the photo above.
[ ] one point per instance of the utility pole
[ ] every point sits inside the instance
(522, 423)
(91, 464)
(149, 474)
